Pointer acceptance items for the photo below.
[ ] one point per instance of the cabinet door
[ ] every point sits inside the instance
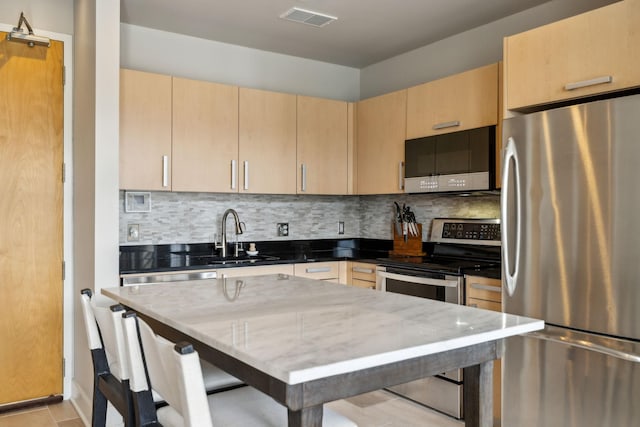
(463, 101)
(587, 54)
(145, 131)
(205, 136)
(267, 146)
(381, 129)
(322, 146)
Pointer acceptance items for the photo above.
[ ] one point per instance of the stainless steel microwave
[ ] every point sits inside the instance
(457, 161)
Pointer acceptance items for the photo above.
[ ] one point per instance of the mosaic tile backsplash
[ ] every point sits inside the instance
(196, 217)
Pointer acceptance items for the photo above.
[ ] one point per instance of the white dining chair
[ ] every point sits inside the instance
(111, 369)
(106, 343)
(174, 371)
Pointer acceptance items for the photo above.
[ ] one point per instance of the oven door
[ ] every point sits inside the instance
(442, 392)
(436, 286)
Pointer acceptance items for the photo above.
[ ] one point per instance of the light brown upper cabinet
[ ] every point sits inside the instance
(267, 142)
(591, 53)
(462, 101)
(322, 146)
(145, 131)
(381, 129)
(205, 136)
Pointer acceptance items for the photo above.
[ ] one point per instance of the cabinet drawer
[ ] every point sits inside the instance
(484, 288)
(363, 284)
(363, 271)
(487, 305)
(318, 270)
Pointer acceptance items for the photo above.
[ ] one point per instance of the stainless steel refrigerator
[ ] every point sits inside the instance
(571, 256)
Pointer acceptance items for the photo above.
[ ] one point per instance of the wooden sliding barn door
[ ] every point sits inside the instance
(31, 191)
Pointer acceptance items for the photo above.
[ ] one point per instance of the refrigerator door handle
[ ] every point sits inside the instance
(511, 271)
(586, 345)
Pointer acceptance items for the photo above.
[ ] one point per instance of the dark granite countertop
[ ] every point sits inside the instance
(491, 273)
(199, 256)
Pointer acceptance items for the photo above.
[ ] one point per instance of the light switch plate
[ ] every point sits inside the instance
(133, 232)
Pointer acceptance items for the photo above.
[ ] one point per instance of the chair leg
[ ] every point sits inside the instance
(145, 409)
(99, 415)
(129, 418)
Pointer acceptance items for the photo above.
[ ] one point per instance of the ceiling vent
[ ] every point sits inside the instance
(307, 17)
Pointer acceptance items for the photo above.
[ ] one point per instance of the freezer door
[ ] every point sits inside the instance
(570, 203)
(560, 378)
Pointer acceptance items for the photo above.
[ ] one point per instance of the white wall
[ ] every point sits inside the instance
(96, 118)
(56, 15)
(471, 49)
(169, 53)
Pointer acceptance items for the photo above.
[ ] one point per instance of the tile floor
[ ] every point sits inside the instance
(376, 409)
(55, 415)
(384, 409)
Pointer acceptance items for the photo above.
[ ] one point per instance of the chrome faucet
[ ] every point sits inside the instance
(224, 230)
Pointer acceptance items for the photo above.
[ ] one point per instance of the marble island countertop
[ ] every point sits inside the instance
(300, 329)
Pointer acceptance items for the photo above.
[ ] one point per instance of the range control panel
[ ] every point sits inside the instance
(470, 231)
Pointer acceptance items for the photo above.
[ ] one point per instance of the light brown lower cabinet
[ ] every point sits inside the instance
(329, 271)
(486, 293)
(361, 274)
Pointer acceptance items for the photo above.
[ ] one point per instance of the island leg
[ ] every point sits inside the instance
(478, 395)
(306, 417)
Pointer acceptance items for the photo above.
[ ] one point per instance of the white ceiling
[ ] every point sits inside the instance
(366, 32)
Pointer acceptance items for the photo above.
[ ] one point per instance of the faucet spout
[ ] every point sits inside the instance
(224, 228)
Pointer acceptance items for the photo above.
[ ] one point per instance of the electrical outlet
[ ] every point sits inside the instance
(341, 227)
(283, 229)
(133, 232)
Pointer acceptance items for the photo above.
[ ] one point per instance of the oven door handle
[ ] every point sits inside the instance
(419, 280)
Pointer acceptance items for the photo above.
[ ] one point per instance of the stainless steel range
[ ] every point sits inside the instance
(458, 247)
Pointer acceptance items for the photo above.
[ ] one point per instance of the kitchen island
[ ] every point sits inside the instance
(307, 342)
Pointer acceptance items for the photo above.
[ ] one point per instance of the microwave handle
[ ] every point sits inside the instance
(444, 125)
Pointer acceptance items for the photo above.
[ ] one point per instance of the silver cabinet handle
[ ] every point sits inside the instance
(511, 271)
(587, 83)
(233, 174)
(318, 270)
(401, 175)
(489, 288)
(165, 171)
(303, 177)
(444, 125)
(246, 174)
(363, 270)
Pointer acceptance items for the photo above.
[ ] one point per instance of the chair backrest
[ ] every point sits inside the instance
(104, 330)
(173, 370)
